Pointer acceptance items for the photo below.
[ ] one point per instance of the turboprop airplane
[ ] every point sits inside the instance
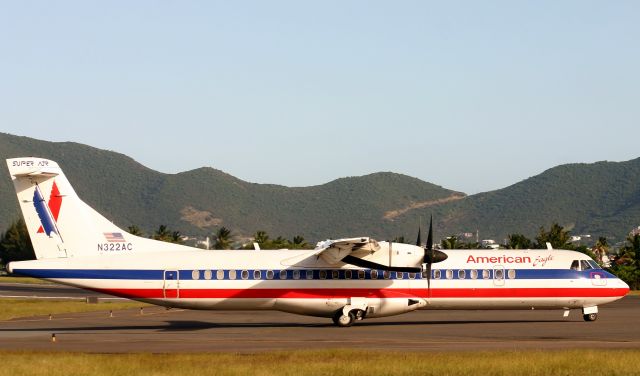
(345, 279)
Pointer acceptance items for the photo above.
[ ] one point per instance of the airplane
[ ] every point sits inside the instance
(346, 280)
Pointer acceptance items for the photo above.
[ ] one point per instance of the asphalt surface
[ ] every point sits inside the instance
(161, 330)
(47, 291)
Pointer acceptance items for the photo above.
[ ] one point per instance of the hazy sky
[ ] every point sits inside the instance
(470, 95)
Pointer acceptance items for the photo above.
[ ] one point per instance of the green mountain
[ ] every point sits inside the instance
(198, 201)
(602, 199)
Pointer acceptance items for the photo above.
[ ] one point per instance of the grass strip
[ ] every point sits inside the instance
(14, 308)
(327, 362)
(28, 280)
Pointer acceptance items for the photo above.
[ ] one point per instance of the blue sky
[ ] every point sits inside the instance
(470, 95)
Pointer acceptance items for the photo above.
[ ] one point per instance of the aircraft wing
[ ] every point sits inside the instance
(334, 251)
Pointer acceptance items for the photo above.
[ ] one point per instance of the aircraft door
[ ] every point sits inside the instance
(498, 275)
(598, 278)
(171, 287)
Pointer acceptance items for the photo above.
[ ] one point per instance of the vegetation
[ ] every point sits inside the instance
(627, 267)
(13, 308)
(223, 238)
(15, 244)
(327, 362)
(557, 236)
(600, 198)
(263, 240)
(518, 241)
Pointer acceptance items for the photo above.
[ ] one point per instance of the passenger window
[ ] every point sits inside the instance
(296, 274)
(399, 275)
(437, 274)
(257, 274)
(219, 274)
(585, 265)
(461, 274)
(374, 274)
(575, 265)
(449, 274)
(195, 274)
(511, 274)
(270, 274)
(309, 274)
(323, 274)
(360, 274)
(486, 274)
(335, 274)
(347, 274)
(232, 274)
(283, 274)
(386, 274)
(498, 274)
(244, 274)
(473, 273)
(208, 274)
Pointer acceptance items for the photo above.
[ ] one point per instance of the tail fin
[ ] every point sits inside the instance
(62, 225)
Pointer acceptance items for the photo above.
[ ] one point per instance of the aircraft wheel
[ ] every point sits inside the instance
(590, 317)
(344, 321)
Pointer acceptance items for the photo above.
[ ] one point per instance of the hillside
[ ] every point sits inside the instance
(198, 201)
(602, 199)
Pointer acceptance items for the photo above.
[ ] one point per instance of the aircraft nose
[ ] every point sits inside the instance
(624, 285)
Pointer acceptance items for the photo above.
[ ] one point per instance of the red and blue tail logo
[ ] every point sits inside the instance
(48, 214)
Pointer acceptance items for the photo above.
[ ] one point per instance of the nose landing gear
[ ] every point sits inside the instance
(590, 313)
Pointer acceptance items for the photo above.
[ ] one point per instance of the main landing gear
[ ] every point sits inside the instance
(342, 320)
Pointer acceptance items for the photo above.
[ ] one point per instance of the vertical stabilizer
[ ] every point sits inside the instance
(60, 224)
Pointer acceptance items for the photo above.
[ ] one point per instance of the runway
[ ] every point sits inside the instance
(47, 291)
(161, 330)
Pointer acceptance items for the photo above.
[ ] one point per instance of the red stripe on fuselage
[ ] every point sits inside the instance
(369, 293)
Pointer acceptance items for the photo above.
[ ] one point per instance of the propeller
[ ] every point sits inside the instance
(429, 254)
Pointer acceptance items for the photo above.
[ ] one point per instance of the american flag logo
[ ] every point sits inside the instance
(114, 237)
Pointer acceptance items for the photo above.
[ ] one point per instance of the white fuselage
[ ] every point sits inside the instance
(298, 282)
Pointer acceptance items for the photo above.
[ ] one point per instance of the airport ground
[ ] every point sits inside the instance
(158, 330)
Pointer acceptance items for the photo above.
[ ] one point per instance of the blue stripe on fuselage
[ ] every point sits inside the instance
(141, 274)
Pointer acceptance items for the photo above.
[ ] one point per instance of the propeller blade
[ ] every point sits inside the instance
(429, 255)
(429, 280)
(430, 236)
(419, 240)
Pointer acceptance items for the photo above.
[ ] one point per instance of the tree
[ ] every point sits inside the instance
(134, 230)
(557, 236)
(223, 238)
(15, 244)
(261, 238)
(164, 234)
(518, 241)
(627, 267)
(600, 249)
(449, 243)
(399, 239)
(299, 243)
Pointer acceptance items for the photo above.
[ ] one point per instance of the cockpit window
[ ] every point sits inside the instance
(585, 265)
(575, 265)
(594, 264)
